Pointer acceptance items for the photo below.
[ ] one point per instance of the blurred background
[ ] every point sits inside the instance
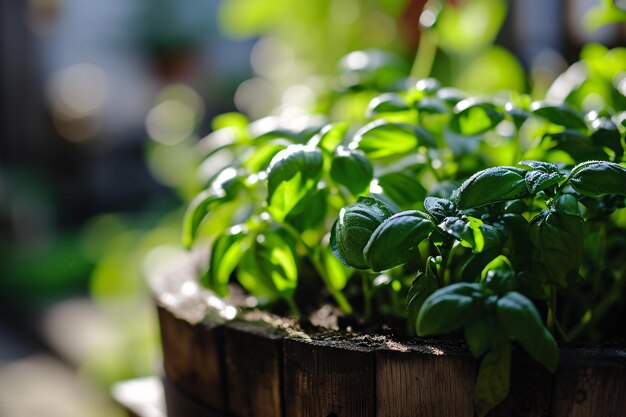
(103, 103)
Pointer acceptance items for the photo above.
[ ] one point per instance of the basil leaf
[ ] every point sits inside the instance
(498, 275)
(516, 114)
(472, 232)
(432, 105)
(395, 241)
(329, 137)
(439, 208)
(386, 103)
(595, 178)
(351, 169)
(605, 133)
(424, 284)
(226, 253)
(472, 117)
(478, 334)
(403, 189)
(353, 229)
(577, 145)
(522, 323)
(261, 156)
(492, 185)
(381, 139)
(196, 212)
(557, 239)
(310, 212)
(493, 380)
(447, 309)
(558, 114)
(293, 173)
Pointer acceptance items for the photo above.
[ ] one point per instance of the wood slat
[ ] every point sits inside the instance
(328, 379)
(428, 379)
(193, 358)
(254, 355)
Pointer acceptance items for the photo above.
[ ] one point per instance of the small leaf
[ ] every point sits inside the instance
(605, 133)
(543, 175)
(492, 185)
(395, 241)
(558, 114)
(329, 137)
(498, 275)
(386, 103)
(293, 173)
(577, 145)
(493, 380)
(351, 169)
(478, 335)
(424, 284)
(381, 139)
(447, 309)
(472, 232)
(520, 319)
(226, 253)
(432, 105)
(594, 178)
(439, 208)
(353, 229)
(472, 117)
(403, 189)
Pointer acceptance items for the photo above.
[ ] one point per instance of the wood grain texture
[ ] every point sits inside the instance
(424, 380)
(590, 383)
(328, 379)
(254, 355)
(180, 404)
(193, 358)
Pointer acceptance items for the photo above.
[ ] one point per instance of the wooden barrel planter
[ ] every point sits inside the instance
(265, 366)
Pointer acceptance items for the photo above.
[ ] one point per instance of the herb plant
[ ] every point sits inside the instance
(498, 217)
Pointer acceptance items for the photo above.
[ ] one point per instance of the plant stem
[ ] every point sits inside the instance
(293, 306)
(425, 56)
(552, 321)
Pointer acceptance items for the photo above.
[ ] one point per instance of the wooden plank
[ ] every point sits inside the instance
(254, 355)
(590, 382)
(193, 358)
(328, 378)
(424, 379)
(180, 404)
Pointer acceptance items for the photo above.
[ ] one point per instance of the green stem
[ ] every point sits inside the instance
(425, 56)
(313, 255)
(295, 311)
(552, 321)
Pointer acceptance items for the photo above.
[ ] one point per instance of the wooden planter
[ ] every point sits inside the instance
(265, 367)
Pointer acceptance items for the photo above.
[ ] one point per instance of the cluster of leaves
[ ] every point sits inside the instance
(435, 220)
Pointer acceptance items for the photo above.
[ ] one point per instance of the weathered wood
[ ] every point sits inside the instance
(254, 354)
(424, 379)
(193, 358)
(325, 378)
(180, 404)
(590, 382)
(530, 391)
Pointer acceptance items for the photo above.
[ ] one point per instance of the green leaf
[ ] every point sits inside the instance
(472, 117)
(447, 309)
(428, 86)
(492, 185)
(337, 273)
(386, 103)
(310, 212)
(381, 139)
(424, 284)
(432, 105)
(478, 334)
(557, 240)
(440, 208)
(517, 115)
(259, 157)
(395, 241)
(558, 114)
(196, 212)
(522, 322)
(472, 232)
(351, 169)
(293, 173)
(595, 178)
(353, 229)
(577, 145)
(543, 176)
(402, 189)
(498, 275)
(226, 253)
(606, 133)
(493, 380)
(330, 136)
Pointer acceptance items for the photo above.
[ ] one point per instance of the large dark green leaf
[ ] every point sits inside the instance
(439, 208)
(395, 241)
(447, 309)
(558, 114)
(557, 239)
(351, 169)
(606, 133)
(403, 189)
(520, 319)
(493, 380)
(472, 117)
(226, 253)
(492, 185)
(543, 175)
(353, 229)
(424, 284)
(595, 178)
(293, 173)
(381, 139)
